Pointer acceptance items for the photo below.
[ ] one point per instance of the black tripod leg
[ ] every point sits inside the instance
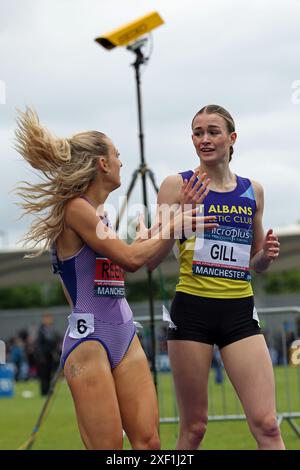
(128, 193)
(152, 178)
(57, 377)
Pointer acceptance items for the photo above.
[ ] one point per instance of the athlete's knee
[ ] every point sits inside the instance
(195, 431)
(198, 430)
(267, 426)
(151, 442)
(147, 440)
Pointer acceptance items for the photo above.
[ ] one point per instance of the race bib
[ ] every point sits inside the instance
(109, 279)
(81, 325)
(223, 253)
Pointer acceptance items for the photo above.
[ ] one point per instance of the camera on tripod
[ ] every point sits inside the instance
(129, 32)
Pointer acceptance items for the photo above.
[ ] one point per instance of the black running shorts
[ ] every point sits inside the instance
(212, 321)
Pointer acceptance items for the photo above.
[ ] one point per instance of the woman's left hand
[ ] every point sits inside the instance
(271, 245)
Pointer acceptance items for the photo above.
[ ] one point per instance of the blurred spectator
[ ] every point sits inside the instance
(18, 358)
(28, 339)
(47, 352)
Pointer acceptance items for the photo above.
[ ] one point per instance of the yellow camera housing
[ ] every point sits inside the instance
(130, 31)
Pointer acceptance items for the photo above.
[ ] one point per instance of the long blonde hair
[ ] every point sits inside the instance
(68, 165)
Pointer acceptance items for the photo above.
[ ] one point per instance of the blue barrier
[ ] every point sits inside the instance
(6, 380)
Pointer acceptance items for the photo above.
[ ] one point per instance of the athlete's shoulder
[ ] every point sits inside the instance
(78, 208)
(170, 188)
(171, 182)
(177, 179)
(258, 188)
(259, 193)
(172, 179)
(75, 204)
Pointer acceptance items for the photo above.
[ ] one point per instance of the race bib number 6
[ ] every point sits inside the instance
(81, 325)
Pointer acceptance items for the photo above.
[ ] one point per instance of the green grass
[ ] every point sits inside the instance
(18, 416)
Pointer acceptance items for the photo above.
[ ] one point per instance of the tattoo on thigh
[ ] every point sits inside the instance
(75, 370)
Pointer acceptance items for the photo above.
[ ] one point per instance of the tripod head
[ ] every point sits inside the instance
(137, 48)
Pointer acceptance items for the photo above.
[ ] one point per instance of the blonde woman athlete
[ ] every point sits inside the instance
(214, 302)
(104, 363)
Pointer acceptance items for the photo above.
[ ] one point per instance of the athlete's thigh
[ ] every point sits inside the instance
(190, 363)
(136, 392)
(249, 367)
(88, 373)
